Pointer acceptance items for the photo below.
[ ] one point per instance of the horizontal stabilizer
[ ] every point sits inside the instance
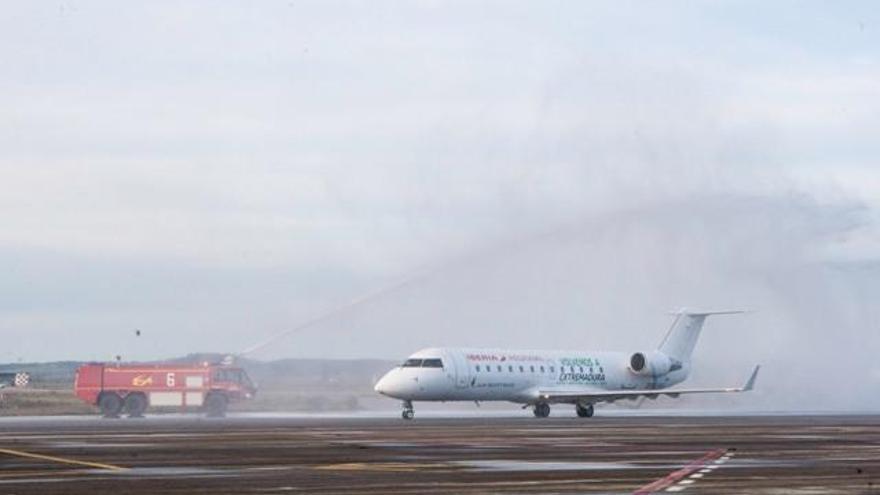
(698, 312)
(751, 383)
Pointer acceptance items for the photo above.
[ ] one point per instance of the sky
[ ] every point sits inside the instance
(542, 174)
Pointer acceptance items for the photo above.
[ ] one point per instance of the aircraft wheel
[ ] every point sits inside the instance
(408, 414)
(542, 410)
(584, 412)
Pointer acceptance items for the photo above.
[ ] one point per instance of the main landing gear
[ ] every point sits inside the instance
(542, 410)
(408, 411)
(584, 412)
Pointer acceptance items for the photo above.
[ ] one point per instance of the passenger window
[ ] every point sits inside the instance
(521, 369)
(533, 368)
(499, 368)
(542, 369)
(581, 368)
(488, 368)
(510, 369)
(552, 369)
(478, 368)
(412, 363)
(432, 363)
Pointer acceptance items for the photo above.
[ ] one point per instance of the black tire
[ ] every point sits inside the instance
(408, 414)
(215, 405)
(110, 405)
(584, 412)
(542, 410)
(135, 405)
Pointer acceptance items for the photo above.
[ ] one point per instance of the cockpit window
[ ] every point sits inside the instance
(432, 363)
(412, 363)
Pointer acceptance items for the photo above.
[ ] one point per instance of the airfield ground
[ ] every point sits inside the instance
(749, 454)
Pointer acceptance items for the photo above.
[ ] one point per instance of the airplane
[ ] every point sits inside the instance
(537, 379)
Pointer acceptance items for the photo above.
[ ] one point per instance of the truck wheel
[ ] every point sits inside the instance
(215, 405)
(135, 405)
(110, 405)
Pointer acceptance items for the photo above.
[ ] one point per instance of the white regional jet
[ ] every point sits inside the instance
(541, 378)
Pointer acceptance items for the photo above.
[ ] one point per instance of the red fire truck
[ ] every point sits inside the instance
(130, 388)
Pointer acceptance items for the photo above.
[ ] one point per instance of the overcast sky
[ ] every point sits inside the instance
(560, 173)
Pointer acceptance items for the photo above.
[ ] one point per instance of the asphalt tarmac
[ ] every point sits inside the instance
(751, 454)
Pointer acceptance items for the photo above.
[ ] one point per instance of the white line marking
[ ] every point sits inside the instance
(696, 475)
(675, 488)
(706, 470)
(686, 482)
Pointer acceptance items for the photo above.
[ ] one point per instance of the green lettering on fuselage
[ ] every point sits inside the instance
(581, 370)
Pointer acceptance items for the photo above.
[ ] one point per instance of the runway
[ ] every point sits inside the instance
(753, 454)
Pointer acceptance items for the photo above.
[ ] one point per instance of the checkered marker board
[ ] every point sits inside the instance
(22, 379)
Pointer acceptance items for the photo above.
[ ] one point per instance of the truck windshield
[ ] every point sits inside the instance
(231, 376)
(246, 380)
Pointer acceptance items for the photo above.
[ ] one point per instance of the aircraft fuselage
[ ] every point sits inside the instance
(447, 374)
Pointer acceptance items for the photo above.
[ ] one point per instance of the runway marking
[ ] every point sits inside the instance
(683, 484)
(677, 477)
(379, 466)
(25, 474)
(61, 460)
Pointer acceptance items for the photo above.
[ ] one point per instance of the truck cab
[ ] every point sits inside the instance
(234, 382)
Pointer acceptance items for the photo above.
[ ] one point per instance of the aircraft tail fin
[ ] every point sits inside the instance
(682, 336)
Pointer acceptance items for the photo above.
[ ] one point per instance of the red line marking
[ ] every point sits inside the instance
(675, 476)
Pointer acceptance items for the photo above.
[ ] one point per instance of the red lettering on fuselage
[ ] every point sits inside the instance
(502, 358)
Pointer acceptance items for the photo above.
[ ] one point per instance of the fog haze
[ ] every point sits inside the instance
(546, 174)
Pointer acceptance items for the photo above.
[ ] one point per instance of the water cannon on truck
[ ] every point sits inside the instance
(130, 389)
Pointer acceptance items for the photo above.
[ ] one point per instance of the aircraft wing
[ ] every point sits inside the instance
(592, 396)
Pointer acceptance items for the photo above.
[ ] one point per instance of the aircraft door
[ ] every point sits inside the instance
(462, 369)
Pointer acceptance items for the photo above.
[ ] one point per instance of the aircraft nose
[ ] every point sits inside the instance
(385, 384)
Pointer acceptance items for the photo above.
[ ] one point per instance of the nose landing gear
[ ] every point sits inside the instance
(408, 411)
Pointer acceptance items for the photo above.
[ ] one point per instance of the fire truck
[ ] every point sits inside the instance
(130, 388)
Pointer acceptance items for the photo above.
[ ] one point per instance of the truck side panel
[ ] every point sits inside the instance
(162, 386)
(88, 383)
